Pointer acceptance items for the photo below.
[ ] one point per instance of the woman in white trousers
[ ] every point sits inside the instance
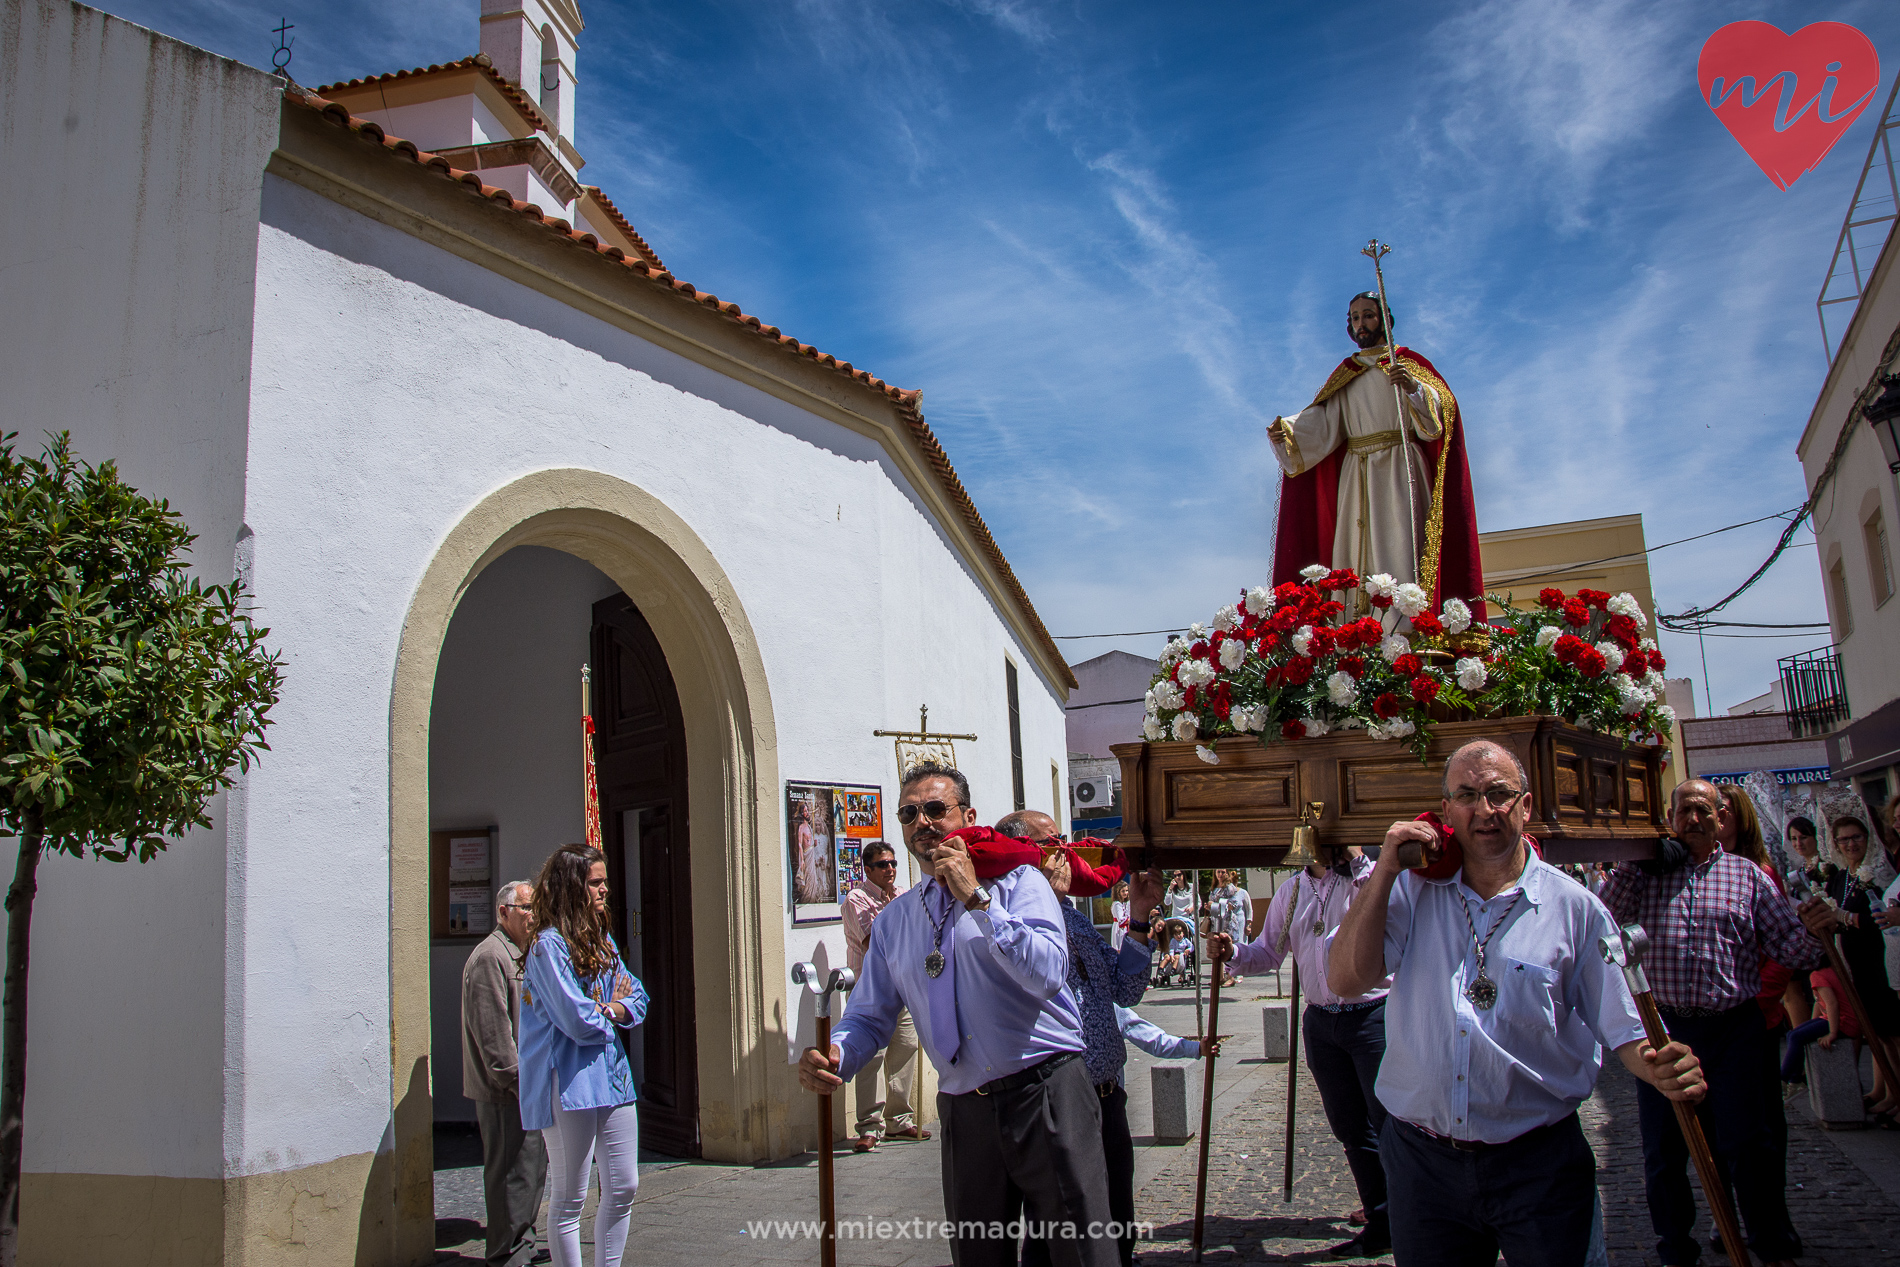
(576, 1085)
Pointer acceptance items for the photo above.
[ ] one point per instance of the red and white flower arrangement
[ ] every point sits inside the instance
(1282, 663)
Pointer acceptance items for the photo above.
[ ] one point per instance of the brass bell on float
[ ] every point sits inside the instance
(1305, 849)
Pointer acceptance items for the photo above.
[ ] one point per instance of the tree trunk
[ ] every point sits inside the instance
(13, 1037)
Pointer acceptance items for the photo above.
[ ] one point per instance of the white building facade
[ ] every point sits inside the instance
(457, 441)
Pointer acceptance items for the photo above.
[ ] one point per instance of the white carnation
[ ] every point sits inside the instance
(1303, 640)
(1648, 644)
(1397, 728)
(1548, 635)
(1233, 653)
(1611, 653)
(1410, 600)
(1168, 695)
(1315, 726)
(1197, 673)
(1393, 647)
(1471, 673)
(1667, 713)
(1457, 616)
(1185, 727)
(1259, 600)
(1152, 729)
(1341, 689)
(1173, 653)
(1349, 722)
(1630, 694)
(1626, 605)
(1227, 619)
(1382, 585)
(1241, 718)
(1207, 754)
(1197, 631)
(1313, 571)
(1654, 682)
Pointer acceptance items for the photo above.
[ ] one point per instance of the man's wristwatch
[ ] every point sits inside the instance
(1139, 926)
(978, 900)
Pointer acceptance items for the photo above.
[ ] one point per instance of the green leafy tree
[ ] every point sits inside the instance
(129, 693)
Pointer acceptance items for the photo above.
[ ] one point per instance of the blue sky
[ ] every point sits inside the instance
(1111, 241)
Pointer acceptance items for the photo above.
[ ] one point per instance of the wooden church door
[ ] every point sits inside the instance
(640, 759)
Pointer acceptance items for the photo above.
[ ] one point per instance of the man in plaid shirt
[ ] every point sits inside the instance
(1712, 918)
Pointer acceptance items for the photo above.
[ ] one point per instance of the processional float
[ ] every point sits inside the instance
(1236, 801)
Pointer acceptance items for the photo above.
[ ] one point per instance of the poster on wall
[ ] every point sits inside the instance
(826, 827)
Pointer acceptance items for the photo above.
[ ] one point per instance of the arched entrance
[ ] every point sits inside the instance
(735, 932)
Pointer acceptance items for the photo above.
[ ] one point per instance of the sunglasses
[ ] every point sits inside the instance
(932, 810)
(880, 864)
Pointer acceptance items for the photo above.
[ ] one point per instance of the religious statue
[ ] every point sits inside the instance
(1375, 477)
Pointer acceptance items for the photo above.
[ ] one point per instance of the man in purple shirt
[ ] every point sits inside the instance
(877, 1115)
(1712, 916)
(983, 970)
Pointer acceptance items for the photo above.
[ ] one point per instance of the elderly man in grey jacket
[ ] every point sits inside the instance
(514, 1161)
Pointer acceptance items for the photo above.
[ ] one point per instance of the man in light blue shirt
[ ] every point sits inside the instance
(983, 969)
(1505, 1004)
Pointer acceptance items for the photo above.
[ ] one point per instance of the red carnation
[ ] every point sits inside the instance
(1295, 729)
(1576, 612)
(1221, 695)
(1407, 665)
(1569, 647)
(1287, 593)
(1624, 631)
(1381, 601)
(1341, 579)
(1329, 609)
(1424, 689)
(1590, 663)
(1428, 624)
(1190, 699)
(1551, 598)
(1371, 632)
(1287, 619)
(1198, 650)
(1268, 641)
(1387, 706)
(1656, 661)
(1298, 671)
(1635, 663)
(1274, 676)
(1323, 640)
(1599, 599)
(1351, 665)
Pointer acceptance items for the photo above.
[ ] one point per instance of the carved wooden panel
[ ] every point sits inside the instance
(1212, 795)
(1389, 788)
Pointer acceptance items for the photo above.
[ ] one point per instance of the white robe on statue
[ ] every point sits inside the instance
(1379, 523)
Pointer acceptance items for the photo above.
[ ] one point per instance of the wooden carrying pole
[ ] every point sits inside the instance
(1292, 1069)
(1207, 1092)
(840, 981)
(1626, 952)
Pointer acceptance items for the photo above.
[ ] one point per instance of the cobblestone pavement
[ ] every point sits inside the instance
(1844, 1188)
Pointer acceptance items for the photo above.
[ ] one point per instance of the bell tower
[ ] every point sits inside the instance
(533, 44)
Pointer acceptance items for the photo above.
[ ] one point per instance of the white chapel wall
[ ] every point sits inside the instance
(129, 325)
(437, 382)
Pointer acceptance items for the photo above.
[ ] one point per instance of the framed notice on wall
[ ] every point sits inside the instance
(462, 883)
(826, 827)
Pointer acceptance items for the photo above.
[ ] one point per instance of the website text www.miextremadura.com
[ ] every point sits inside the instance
(946, 1229)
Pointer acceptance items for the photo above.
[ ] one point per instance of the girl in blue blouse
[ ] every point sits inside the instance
(576, 1085)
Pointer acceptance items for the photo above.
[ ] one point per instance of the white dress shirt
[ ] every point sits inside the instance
(1009, 980)
(1325, 900)
(1528, 1061)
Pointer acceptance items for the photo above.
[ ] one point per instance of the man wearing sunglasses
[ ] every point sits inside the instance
(982, 966)
(887, 1116)
(1502, 997)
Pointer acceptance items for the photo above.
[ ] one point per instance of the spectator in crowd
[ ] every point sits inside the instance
(1712, 917)
(889, 1115)
(514, 1160)
(576, 1085)
(1856, 902)
(1100, 979)
(1807, 850)
(1180, 897)
(983, 967)
(1179, 961)
(1118, 914)
(1738, 831)
(1345, 1037)
(1505, 1004)
(1232, 910)
(1833, 1020)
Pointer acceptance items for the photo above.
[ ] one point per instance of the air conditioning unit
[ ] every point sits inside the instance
(1094, 791)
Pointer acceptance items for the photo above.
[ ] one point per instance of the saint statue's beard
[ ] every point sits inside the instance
(1368, 338)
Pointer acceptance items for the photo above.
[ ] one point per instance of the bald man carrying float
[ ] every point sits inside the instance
(1502, 997)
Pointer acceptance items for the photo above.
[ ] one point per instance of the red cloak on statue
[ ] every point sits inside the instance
(1308, 503)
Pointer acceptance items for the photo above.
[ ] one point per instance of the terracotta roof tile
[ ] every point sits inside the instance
(620, 223)
(908, 402)
(517, 98)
